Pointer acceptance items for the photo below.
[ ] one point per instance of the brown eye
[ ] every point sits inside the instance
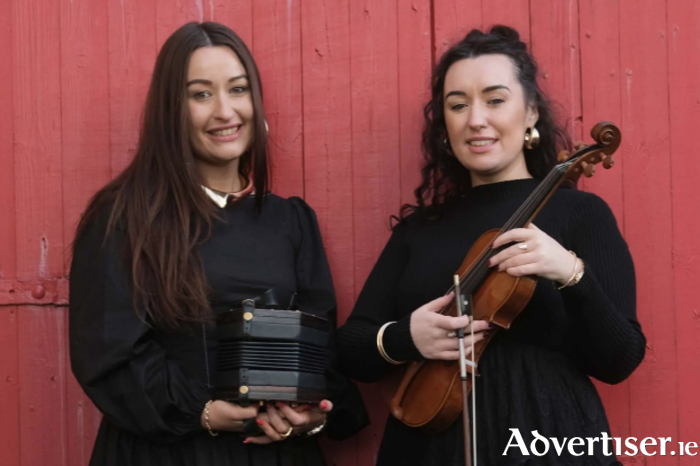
(201, 95)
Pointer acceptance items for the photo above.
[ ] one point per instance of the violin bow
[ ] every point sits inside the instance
(461, 302)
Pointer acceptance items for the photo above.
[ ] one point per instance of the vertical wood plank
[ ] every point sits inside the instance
(86, 138)
(85, 127)
(171, 14)
(327, 141)
(375, 156)
(277, 50)
(37, 120)
(648, 214)
(9, 388)
(236, 14)
(452, 20)
(555, 45)
(8, 242)
(415, 63)
(43, 435)
(327, 135)
(600, 86)
(132, 55)
(684, 68)
(375, 128)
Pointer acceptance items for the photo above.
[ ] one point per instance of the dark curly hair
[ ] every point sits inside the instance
(444, 179)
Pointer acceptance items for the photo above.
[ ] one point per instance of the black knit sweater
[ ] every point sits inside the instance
(152, 384)
(534, 376)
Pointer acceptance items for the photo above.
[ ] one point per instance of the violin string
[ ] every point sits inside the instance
(472, 278)
(471, 304)
(480, 266)
(532, 201)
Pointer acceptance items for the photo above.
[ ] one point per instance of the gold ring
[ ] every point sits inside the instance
(522, 246)
(288, 433)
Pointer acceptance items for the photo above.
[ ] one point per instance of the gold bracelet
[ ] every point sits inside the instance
(575, 276)
(206, 418)
(380, 345)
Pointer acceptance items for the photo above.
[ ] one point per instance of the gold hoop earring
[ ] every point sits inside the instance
(532, 138)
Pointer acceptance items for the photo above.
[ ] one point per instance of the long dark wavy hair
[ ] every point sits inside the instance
(158, 200)
(443, 178)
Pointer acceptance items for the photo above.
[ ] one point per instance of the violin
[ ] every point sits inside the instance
(430, 395)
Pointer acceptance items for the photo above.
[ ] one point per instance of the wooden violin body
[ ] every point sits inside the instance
(430, 395)
(499, 301)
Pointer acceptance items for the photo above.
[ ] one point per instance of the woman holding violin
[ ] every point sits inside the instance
(490, 139)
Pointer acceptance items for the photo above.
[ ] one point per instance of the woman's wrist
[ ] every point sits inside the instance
(398, 341)
(575, 274)
(205, 419)
(211, 419)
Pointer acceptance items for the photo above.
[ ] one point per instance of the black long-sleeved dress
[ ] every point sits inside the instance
(534, 376)
(152, 385)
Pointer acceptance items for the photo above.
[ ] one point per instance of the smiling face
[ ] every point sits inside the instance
(486, 116)
(220, 106)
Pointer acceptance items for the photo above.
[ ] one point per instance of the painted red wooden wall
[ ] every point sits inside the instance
(345, 82)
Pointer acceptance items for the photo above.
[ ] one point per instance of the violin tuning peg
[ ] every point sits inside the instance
(608, 162)
(563, 156)
(579, 144)
(589, 170)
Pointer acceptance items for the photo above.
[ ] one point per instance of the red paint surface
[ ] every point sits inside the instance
(345, 82)
(600, 66)
(648, 215)
(684, 99)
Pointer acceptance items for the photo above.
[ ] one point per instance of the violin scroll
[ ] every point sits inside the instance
(607, 138)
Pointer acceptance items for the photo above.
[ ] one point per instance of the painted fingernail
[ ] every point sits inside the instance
(324, 404)
(260, 422)
(246, 440)
(280, 404)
